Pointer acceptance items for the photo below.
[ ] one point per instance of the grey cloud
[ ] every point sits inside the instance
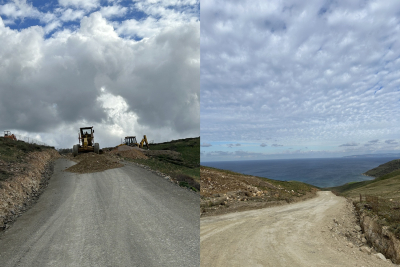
(374, 141)
(276, 145)
(391, 142)
(263, 145)
(206, 145)
(349, 144)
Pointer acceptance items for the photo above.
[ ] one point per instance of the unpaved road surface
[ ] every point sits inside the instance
(290, 235)
(120, 217)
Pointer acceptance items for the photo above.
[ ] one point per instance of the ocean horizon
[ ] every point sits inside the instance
(321, 172)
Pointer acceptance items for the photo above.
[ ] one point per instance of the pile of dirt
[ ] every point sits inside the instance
(223, 192)
(128, 152)
(92, 162)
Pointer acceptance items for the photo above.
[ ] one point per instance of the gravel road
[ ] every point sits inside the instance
(290, 235)
(120, 217)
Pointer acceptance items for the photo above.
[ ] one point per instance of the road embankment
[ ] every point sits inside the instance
(25, 180)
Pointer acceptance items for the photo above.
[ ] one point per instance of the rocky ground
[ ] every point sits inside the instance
(322, 231)
(223, 192)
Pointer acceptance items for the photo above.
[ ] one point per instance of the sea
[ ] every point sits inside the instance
(321, 172)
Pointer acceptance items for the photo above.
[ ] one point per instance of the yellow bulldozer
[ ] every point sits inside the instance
(131, 141)
(85, 142)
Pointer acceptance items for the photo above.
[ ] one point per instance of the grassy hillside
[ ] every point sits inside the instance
(14, 152)
(379, 197)
(385, 168)
(389, 170)
(184, 168)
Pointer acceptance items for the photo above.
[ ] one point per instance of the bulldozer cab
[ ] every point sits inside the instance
(131, 141)
(86, 136)
(85, 142)
(7, 133)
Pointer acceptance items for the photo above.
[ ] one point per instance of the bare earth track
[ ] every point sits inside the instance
(124, 216)
(315, 232)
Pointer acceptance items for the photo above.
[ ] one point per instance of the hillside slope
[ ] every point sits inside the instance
(378, 204)
(24, 171)
(225, 191)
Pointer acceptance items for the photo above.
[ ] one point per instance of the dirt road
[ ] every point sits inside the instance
(291, 235)
(120, 217)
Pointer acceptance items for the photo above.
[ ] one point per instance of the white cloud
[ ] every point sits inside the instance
(92, 76)
(304, 72)
(86, 4)
(70, 14)
(113, 11)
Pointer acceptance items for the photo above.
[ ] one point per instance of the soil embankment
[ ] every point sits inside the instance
(25, 170)
(225, 191)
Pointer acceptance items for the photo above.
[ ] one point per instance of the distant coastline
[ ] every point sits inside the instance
(383, 155)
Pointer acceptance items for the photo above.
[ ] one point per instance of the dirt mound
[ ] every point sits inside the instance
(92, 162)
(223, 192)
(128, 152)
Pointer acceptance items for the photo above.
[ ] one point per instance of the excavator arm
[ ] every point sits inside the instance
(144, 141)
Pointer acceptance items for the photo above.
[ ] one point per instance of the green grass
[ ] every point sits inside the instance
(346, 188)
(189, 149)
(185, 169)
(384, 169)
(380, 196)
(15, 151)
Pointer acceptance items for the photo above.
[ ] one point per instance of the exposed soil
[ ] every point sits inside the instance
(322, 231)
(128, 152)
(224, 192)
(26, 179)
(92, 162)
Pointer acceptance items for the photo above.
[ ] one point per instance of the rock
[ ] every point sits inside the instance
(364, 240)
(358, 228)
(366, 249)
(380, 256)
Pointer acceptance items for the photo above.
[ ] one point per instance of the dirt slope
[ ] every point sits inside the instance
(316, 232)
(225, 191)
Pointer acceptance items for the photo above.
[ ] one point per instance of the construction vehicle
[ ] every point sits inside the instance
(8, 135)
(144, 140)
(131, 141)
(85, 142)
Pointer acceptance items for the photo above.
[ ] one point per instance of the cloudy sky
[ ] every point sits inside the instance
(297, 79)
(124, 67)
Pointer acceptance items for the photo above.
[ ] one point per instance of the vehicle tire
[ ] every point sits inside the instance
(75, 150)
(96, 148)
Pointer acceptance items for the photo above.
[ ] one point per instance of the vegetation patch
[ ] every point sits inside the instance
(384, 169)
(15, 151)
(180, 159)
